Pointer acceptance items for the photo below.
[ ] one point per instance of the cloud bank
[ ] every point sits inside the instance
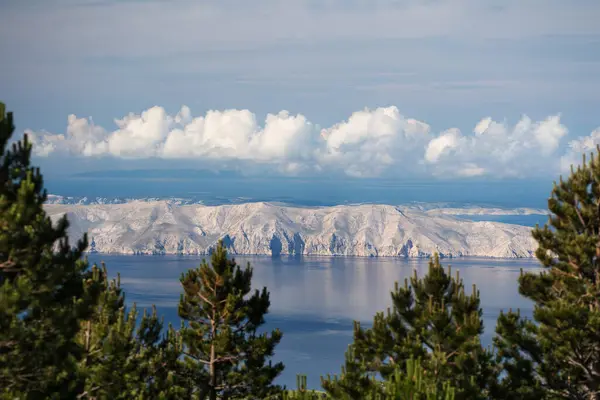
(369, 143)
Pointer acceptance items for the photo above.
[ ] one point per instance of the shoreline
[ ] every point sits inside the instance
(294, 256)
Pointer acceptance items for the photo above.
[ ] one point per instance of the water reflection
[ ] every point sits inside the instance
(315, 299)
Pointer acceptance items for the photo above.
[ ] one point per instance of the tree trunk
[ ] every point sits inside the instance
(88, 335)
(212, 372)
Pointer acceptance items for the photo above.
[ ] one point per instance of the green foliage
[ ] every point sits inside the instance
(109, 362)
(123, 361)
(559, 354)
(170, 379)
(42, 293)
(516, 349)
(225, 355)
(302, 393)
(412, 384)
(432, 319)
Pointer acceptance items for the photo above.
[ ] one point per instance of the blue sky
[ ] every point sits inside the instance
(446, 83)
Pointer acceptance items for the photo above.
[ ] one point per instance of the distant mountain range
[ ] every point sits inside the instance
(178, 226)
(431, 208)
(84, 200)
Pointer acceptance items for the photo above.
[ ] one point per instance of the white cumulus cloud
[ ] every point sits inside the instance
(577, 148)
(496, 148)
(369, 143)
(445, 142)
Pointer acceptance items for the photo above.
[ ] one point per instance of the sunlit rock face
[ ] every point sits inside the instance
(168, 227)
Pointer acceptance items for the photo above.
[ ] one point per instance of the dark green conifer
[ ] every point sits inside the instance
(124, 359)
(302, 392)
(42, 293)
(432, 319)
(107, 337)
(164, 372)
(409, 383)
(225, 355)
(415, 384)
(557, 355)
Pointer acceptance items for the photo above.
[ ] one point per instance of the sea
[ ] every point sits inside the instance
(314, 300)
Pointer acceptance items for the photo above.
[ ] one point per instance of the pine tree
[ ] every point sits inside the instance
(558, 353)
(108, 342)
(164, 372)
(302, 392)
(432, 319)
(42, 293)
(225, 355)
(124, 359)
(414, 384)
(517, 353)
(410, 383)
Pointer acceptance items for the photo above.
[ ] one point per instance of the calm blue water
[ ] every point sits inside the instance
(315, 299)
(525, 220)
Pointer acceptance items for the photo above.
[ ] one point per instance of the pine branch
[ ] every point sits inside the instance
(88, 392)
(204, 299)
(588, 370)
(8, 266)
(576, 206)
(229, 358)
(7, 343)
(242, 327)
(185, 353)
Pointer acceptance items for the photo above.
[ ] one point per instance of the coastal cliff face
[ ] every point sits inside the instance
(165, 227)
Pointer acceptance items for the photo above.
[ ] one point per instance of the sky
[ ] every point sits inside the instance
(363, 89)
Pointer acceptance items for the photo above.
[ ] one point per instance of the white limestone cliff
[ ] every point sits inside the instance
(165, 227)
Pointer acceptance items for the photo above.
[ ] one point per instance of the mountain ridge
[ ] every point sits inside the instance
(263, 228)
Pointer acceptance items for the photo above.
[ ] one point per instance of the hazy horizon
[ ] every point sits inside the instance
(308, 192)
